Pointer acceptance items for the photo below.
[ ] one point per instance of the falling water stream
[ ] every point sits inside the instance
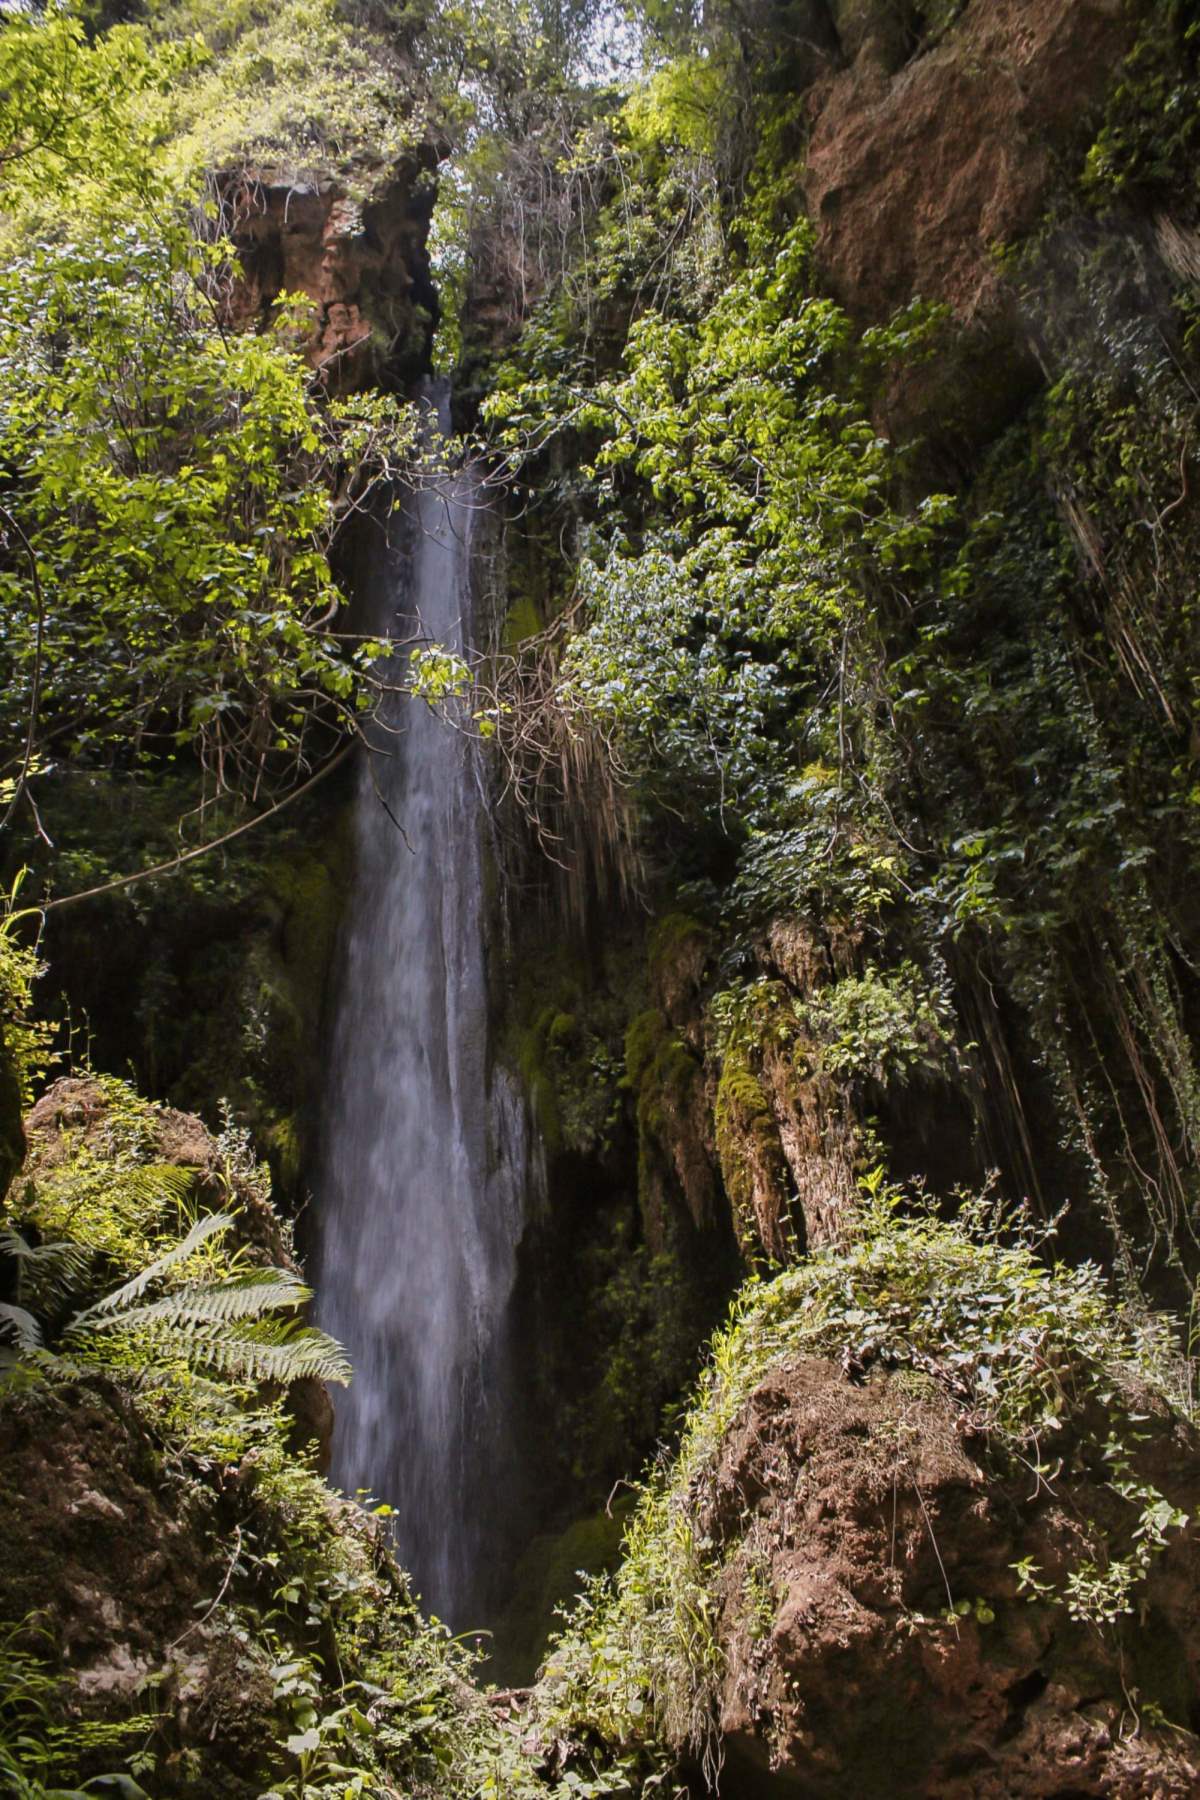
(424, 1155)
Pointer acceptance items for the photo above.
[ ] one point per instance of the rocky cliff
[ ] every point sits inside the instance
(361, 263)
(905, 1060)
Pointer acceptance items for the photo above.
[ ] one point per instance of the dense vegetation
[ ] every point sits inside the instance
(839, 690)
(829, 676)
(173, 487)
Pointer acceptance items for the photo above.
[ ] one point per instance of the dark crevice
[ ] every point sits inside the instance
(1021, 1696)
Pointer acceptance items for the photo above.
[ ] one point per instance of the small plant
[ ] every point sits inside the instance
(41, 1744)
(24, 1041)
(888, 1024)
(227, 1326)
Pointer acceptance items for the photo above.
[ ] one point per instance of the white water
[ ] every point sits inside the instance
(424, 1156)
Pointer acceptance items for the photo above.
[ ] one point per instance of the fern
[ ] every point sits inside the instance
(245, 1296)
(228, 1327)
(264, 1353)
(223, 1326)
(18, 1328)
(123, 1297)
(47, 1274)
(152, 1184)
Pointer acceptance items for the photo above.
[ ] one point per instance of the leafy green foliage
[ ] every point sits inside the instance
(173, 489)
(889, 1025)
(68, 98)
(24, 1042)
(957, 729)
(883, 1024)
(313, 88)
(559, 198)
(176, 502)
(961, 733)
(1149, 139)
(705, 654)
(112, 1194)
(222, 1326)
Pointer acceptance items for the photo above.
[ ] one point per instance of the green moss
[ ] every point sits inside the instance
(285, 1147)
(521, 621)
(532, 1063)
(308, 888)
(748, 1148)
(642, 1040)
(665, 1076)
(544, 1101)
(673, 933)
(548, 1578)
(208, 985)
(262, 999)
(562, 1035)
(666, 1084)
(886, 21)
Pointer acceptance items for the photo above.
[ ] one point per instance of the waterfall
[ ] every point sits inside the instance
(424, 1157)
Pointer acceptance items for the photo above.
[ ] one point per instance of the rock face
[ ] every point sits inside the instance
(876, 1641)
(927, 151)
(91, 1531)
(75, 1112)
(363, 264)
(132, 1571)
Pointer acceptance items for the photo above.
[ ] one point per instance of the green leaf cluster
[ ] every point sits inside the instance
(768, 505)
(172, 488)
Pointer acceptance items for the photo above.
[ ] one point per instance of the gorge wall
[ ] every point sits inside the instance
(841, 1035)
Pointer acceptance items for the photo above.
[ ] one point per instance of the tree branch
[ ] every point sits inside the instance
(187, 856)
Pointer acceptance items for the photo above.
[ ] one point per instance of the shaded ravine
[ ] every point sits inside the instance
(424, 1160)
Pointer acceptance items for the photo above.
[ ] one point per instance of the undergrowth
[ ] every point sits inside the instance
(130, 1298)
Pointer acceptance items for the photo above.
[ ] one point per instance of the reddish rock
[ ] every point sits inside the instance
(849, 1516)
(915, 173)
(363, 264)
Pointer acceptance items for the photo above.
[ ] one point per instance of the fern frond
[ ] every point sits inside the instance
(246, 1296)
(269, 1351)
(302, 1351)
(123, 1297)
(152, 1183)
(229, 1328)
(19, 1328)
(47, 1274)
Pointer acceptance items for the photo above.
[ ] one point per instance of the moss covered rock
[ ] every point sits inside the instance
(929, 1532)
(185, 1607)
